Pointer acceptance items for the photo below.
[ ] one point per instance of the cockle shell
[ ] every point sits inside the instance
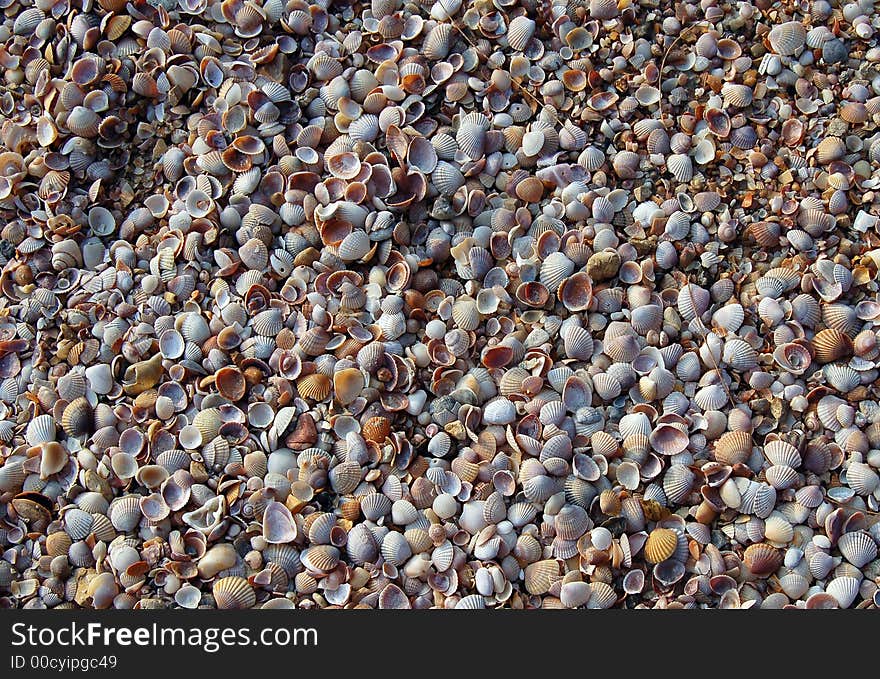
(787, 38)
(762, 559)
(233, 593)
(661, 545)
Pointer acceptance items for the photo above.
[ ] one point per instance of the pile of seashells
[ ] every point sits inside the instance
(497, 303)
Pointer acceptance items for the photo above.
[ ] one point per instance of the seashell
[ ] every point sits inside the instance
(782, 453)
(571, 522)
(739, 355)
(668, 440)
(733, 447)
(41, 429)
(438, 42)
(711, 397)
(278, 524)
(519, 32)
(830, 345)
(692, 301)
(392, 597)
(395, 549)
(375, 505)
(680, 166)
(578, 344)
(575, 594)
(778, 530)
(830, 149)
(626, 164)
(125, 513)
(465, 313)
(603, 9)
(603, 595)
(861, 478)
(646, 318)
(361, 545)
(787, 38)
(347, 385)
(844, 590)
(78, 524)
(792, 357)
(555, 268)
(233, 593)
(660, 545)
(762, 559)
(540, 576)
(678, 482)
(729, 317)
(857, 547)
(354, 246)
(842, 378)
(230, 383)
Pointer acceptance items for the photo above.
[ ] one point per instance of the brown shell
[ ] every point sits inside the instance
(762, 559)
(733, 447)
(231, 383)
(376, 429)
(234, 592)
(830, 345)
(315, 387)
(540, 576)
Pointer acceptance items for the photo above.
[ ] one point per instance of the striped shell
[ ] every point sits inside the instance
(787, 38)
(660, 545)
(233, 593)
(762, 559)
(733, 447)
(541, 575)
(857, 547)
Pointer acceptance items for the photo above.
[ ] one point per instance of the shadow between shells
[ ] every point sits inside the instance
(449, 304)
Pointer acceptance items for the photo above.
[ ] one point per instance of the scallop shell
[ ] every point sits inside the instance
(739, 355)
(660, 545)
(233, 593)
(519, 32)
(361, 545)
(395, 549)
(571, 522)
(762, 559)
(787, 38)
(857, 547)
(603, 595)
(678, 482)
(733, 447)
(438, 42)
(830, 345)
(78, 524)
(41, 429)
(125, 513)
(315, 387)
(844, 590)
(861, 478)
(540, 576)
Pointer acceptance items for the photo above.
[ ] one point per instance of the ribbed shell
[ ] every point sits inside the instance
(762, 559)
(233, 593)
(857, 547)
(787, 38)
(733, 447)
(660, 545)
(540, 576)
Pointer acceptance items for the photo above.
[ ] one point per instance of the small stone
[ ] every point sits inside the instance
(834, 51)
(603, 265)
